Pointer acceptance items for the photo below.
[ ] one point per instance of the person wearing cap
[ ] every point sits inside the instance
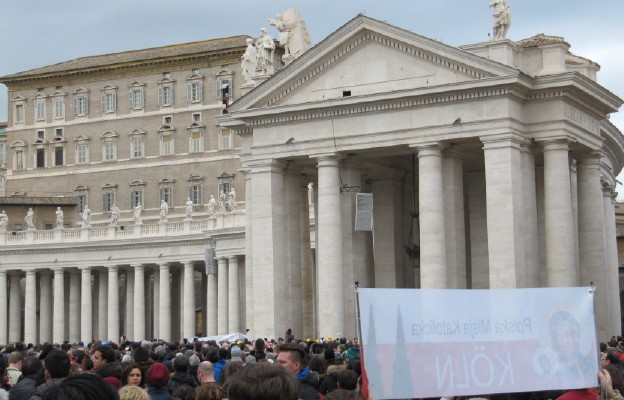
(157, 380)
(235, 355)
(181, 375)
(291, 357)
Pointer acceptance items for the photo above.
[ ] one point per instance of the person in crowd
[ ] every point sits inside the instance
(184, 392)
(133, 393)
(262, 381)
(57, 366)
(291, 357)
(14, 369)
(101, 356)
(218, 367)
(209, 391)
(4, 378)
(181, 375)
(330, 380)
(133, 375)
(26, 387)
(157, 380)
(82, 387)
(205, 372)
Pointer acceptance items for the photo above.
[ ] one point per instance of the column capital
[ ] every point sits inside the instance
(163, 265)
(500, 140)
(431, 148)
(188, 264)
(590, 158)
(45, 271)
(453, 151)
(326, 160)
(558, 143)
(266, 165)
(233, 258)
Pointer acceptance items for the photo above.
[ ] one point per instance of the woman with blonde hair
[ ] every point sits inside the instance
(131, 392)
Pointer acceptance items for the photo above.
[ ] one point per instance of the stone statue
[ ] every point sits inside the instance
(189, 208)
(86, 217)
(502, 18)
(136, 214)
(249, 61)
(212, 204)
(3, 186)
(293, 34)
(232, 200)
(30, 214)
(164, 211)
(4, 221)
(222, 202)
(59, 217)
(265, 46)
(114, 215)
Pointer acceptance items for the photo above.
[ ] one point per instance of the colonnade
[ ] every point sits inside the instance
(139, 301)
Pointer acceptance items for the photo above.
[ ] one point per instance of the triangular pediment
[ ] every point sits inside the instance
(367, 57)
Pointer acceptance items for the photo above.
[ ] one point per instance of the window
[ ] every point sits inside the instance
(194, 92)
(18, 147)
(165, 92)
(196, 142)
(165, 194)
(18, 227)
(19, 159)
(196, 117)
(166, 190)
(226, 181)
(167, 120)
(109, 194)
(225, 139)
(48, 226)
(19, 113)
(80, 192)
(224, 88)
(137, 143)
(136, 193)
(109, 99)
(195, 70)
(59, 156)
(195, 189)
(137, 96)
(82, 202)
(166, 74)
(224, 188)
(41, 134)
(3, 149)
(167, 140)
(81, 102)
(40, 114)
(82, 149)
(59, 105)
(58, 132)
(109, 146)
(40, 158)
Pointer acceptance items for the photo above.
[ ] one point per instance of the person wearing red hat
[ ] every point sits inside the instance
(157, 380)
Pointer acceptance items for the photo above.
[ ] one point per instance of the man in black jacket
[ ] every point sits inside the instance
(181, 375)
(27, 385)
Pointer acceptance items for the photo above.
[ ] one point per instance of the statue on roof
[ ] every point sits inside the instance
(249, 61)
(4, 221)
(293, 34)
(265, 46)
(502, 18)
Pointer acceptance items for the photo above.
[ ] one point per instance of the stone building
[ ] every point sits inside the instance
(490, 166)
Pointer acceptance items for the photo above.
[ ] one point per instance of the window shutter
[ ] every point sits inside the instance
(75, 106)
(140, 99)
(189, 92)
(199, 91)
(218, 88)
(114, 95)
(131, 98)
(86, 105)
(104, 103)
(160, 95)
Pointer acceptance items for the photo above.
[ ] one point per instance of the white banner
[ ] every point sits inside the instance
(438, 342)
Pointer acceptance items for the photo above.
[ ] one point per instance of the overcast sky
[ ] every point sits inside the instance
(35, 33)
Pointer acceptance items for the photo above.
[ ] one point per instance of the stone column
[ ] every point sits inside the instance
(592, 247)
(113, 301)
(149, 303)
(102, 321)
(307, 268)
(505, 209)
(30, 307)
(139, 303)
(129, 331)
(58, 330)
(433, 266)
(74, 306)
(222, 301)
(478, 273)
(249, 299)
(292, 249)
(530, 216)
(233, 295)
(164, 318)
(188, 316)
(45, 308)
(609, 198)
(176, 303)
(156, 273)
(86, 310)
(267, 180)
(558, 220)
(4, 305)
(212, 306)
(453, 180)
(15, 307)
(329, 248)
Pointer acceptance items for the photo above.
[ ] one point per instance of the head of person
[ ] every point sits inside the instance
(291, 357)
(209, 391)
(83, 387)
(31, 366)
(347, 380)
(205, 372)
(132, 375)
(15, 360)
(262, 381)
(4, 377)
(181, 364)
(157, 375)
(609, 357)
(57, 364)
(133, 393)
(140, 354)
(184, 392)
(102, 355)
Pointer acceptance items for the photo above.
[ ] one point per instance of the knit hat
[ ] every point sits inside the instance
(236, 353)
(157, 375)
(194, 360)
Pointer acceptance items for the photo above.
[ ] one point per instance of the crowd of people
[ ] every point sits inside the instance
(285, 369)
